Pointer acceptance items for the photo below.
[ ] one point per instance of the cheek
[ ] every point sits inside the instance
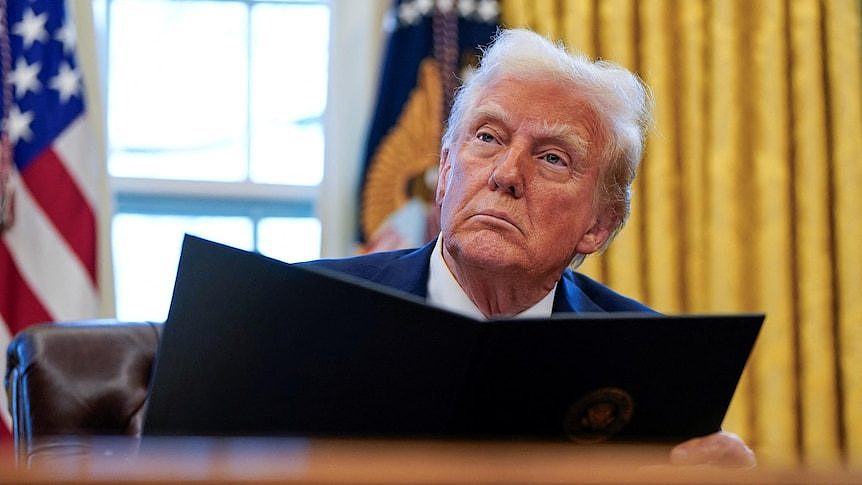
(567, 218)
(455, 201)
(452, 198)
(459, 186)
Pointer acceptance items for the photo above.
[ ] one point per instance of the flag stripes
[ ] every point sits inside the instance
(61, 200)
(47, 262)
(78, 157)
(48, 254)
(20, 307)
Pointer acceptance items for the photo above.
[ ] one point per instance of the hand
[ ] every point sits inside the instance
(722, 449)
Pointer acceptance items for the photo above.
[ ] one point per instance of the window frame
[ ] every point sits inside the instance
(356, 43)
(356, 40)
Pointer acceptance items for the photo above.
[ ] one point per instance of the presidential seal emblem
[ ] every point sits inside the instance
(598, 415)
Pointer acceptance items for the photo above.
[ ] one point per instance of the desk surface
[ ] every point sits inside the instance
(282, 460)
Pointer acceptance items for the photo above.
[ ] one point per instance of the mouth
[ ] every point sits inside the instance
(498, 216)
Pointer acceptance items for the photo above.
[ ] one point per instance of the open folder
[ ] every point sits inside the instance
(255, 346)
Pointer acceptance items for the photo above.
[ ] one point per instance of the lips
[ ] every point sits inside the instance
(500, 215)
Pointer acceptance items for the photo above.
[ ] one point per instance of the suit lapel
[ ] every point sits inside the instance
(408, 272)
(571, 299)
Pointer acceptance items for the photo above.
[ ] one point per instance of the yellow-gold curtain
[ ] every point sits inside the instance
(750, 194)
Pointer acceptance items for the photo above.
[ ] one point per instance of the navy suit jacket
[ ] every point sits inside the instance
(407, 270)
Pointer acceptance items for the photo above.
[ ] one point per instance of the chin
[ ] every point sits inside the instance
(488, 250)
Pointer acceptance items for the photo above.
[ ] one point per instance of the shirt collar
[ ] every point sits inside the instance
(445, 292)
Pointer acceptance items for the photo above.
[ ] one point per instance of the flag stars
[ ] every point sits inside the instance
(408, 14)
(424, 6)
(488, 10)
(32, 28)
(18, 125)
(67, 82)
(411, 12)
(445, 5)
(25, 77)
(66, 35)
(466, 7)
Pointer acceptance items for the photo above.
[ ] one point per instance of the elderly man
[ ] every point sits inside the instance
(536, 167)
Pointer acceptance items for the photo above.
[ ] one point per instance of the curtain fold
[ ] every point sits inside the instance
(771, 267)
(845, 143)
(691, 126)
(813, 251)
(747, 199)
(724, 282)
(624, 262)
(661, 184)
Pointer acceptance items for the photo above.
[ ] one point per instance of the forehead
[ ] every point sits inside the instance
(539, 102)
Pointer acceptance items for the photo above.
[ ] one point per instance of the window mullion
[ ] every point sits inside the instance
(248, 93)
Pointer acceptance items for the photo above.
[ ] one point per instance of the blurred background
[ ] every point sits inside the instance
(306, 129)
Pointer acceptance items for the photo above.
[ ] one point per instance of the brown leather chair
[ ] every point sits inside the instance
(76, 379)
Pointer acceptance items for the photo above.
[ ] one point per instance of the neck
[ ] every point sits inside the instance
(499, 293)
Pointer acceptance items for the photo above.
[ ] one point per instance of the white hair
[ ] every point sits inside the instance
(621, 102)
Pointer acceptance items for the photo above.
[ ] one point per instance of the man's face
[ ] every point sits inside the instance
(517, 189)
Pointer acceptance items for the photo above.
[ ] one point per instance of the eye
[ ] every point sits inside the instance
(554, 159)
(486, 137)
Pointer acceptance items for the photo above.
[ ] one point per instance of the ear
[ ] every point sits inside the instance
(596, 235)
(443, 176)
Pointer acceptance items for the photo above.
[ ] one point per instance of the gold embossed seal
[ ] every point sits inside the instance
(599, 415)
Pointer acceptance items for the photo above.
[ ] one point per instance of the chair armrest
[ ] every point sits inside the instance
(79, 378)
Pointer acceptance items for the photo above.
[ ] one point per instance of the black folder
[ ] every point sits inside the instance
(255, 346)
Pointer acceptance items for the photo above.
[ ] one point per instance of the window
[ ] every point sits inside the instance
(215, 127)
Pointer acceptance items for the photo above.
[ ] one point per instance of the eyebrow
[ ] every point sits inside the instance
(564, 133)
(493, 111)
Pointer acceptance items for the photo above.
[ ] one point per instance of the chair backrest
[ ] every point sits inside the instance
(78, 378)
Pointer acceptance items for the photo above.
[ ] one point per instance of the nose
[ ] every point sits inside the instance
(508, 172)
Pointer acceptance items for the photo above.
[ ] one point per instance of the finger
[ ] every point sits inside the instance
(721, 449)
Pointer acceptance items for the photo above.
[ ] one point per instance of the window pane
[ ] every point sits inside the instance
(289, 154)
(177, 89)
(289, 62)
(289, 239)
(146, 253)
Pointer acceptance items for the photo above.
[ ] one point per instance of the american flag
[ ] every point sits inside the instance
(51, 176)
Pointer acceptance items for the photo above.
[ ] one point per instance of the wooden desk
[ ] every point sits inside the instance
(281, 460)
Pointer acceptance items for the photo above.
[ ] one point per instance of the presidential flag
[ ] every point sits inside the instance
(431, 48)
(50, 174)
